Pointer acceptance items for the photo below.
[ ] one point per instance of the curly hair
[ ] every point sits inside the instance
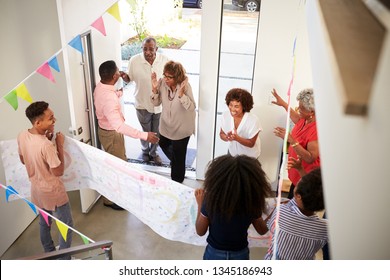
(176, 70)
(36, 110)
(235, 186)
(310, 190)
(306, 96)
(242, 96)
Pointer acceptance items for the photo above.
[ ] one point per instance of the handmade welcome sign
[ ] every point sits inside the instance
(169, 208)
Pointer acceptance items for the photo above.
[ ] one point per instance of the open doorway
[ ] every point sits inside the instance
(178, 37)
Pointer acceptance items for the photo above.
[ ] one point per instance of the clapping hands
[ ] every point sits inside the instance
(183, 87)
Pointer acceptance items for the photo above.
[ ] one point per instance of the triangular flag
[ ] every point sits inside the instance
(99, 25)
(76, 43)
(12, 99)
(44, 216)
(9, 191)
(22, 92)
(54, 64)
(114, 11)
(85, 240)
(32, 206)
(45, 71)
(63, 229)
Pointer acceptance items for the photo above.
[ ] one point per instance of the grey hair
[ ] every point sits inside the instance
(306, 96)
(148, 40)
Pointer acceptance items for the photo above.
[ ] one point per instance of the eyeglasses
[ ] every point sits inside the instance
(168, 77)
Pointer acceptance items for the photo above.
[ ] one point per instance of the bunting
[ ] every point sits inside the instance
(45, 68)
(62, 227)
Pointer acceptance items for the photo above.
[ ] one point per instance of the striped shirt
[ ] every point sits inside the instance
(300, 237)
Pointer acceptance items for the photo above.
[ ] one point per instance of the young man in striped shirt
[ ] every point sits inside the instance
(301, 232)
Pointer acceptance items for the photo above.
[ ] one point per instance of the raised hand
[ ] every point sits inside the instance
(199, 195)
(279, 101)
(60, 139)
(183, 87)
(154, 82)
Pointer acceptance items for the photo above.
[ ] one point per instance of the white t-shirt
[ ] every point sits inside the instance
(248, 128)
(140, 72)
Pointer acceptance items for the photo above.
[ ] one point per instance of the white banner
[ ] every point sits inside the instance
(169, 208)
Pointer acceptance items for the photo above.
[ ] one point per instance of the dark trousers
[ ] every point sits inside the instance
(176, 151)
(325, 249)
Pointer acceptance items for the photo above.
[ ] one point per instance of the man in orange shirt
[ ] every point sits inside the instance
(44, 162)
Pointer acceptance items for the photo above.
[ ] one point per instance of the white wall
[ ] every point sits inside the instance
(28, 40)
(354, 153)
(281, 22)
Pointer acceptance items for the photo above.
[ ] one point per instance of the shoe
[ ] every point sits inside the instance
(113, 206)
(145, 157)
(157, 160)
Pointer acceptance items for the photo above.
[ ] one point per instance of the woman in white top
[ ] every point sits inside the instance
(239, 127)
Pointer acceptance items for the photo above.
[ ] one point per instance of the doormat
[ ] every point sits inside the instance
(191, 154)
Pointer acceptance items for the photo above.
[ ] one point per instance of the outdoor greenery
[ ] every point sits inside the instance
(133, 45)
(137, 10)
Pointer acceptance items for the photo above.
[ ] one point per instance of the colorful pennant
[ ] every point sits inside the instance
(114, 11)
(54, 64)
(76, 43)
(45, 71)
(44, 216)
(9, 191)
(12, 99)
(22, 92)
(99, 25)
(63, 228)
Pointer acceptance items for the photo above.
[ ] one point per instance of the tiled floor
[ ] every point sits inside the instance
(132, 240)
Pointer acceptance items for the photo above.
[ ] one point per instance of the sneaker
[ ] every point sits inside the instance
(157, 160)
(145, 157)
(113, 206)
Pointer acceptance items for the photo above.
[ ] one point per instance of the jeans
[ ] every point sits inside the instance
(149, 123)
(214, 254)
(63, 214)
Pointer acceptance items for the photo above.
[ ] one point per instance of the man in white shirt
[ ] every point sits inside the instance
(141, 66)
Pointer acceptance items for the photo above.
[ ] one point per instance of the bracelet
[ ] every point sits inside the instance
(295, 144)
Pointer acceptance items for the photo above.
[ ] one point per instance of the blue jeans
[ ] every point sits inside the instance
(64, 214)
(214, 254)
